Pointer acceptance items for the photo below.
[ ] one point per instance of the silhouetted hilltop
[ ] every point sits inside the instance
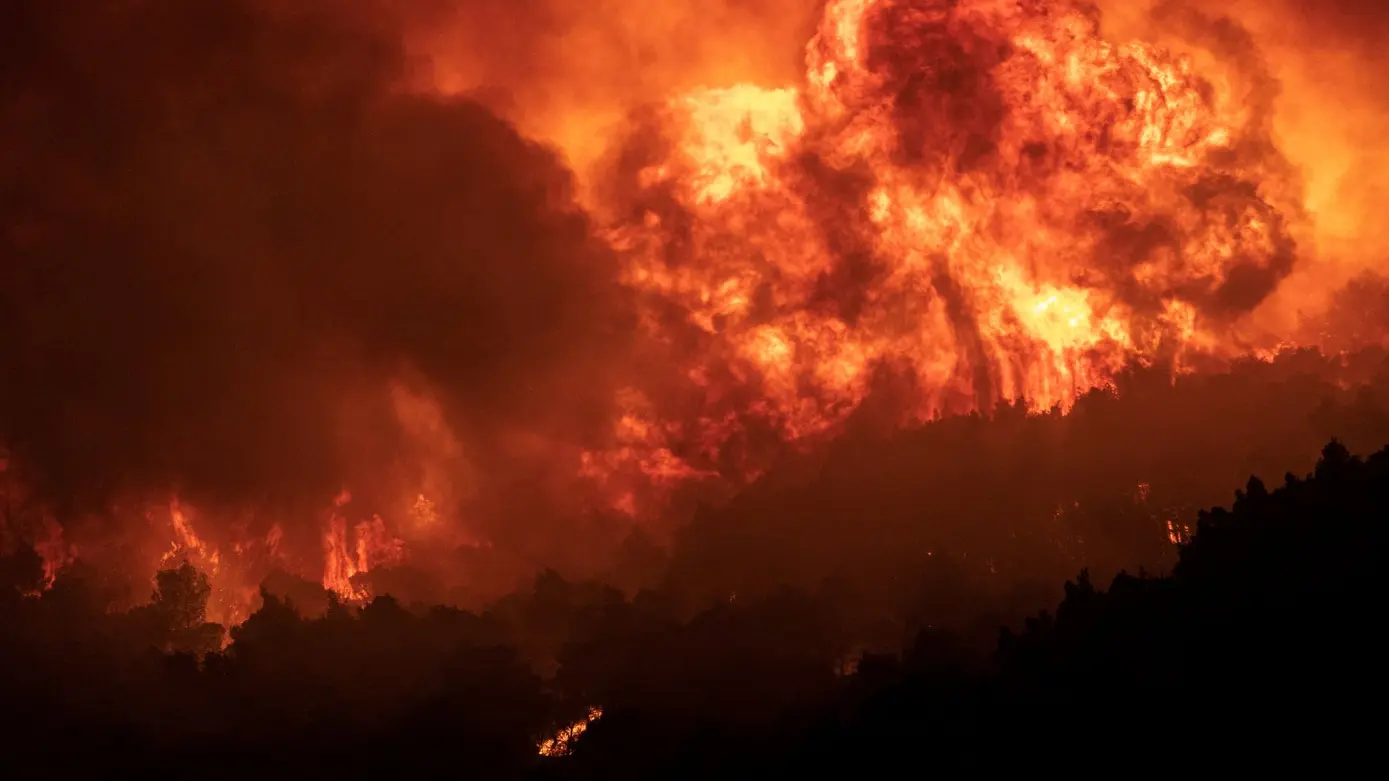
(1257, 652)
(987, 513)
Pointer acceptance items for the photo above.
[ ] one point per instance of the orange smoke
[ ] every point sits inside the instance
(981, 201)
(1331, 119)
(570, 70)
(990, 199)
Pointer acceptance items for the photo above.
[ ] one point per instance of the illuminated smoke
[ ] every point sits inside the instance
(990, 199)
(254, 253)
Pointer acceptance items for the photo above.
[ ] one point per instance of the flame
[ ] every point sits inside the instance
(234, 593)
(1178, 533)
(993, 200)
(989, 198)
(369, 546)
(562, 743)
(55, 552)
(188, 545)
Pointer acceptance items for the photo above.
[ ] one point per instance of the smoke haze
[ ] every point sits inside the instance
(228, 232)
(253, 253)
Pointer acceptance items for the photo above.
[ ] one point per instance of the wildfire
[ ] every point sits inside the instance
(563, 741)
(370, 546)
(187, 544)
(232, 575)
(235, 569)
(1178, 533)
(55, 552)
(988, 198)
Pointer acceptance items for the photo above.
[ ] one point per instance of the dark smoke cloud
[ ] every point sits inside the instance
(223, 229)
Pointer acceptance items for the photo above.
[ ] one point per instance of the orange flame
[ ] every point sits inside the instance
(989, 198)
(371, 546)
(562, 743)
(54, 551)
(234, 592)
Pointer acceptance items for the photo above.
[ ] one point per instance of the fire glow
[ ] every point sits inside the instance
(989, 201)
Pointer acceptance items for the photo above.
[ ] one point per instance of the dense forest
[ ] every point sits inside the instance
(1254, 649)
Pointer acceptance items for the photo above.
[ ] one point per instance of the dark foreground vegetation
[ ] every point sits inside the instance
(1259, 651)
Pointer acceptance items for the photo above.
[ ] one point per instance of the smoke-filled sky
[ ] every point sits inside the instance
(257, 251)
(226, 227)
(1331, 117)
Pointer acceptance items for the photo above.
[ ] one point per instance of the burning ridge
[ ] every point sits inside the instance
(251, 286)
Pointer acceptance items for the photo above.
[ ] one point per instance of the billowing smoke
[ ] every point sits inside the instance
(571, 70)
(1329, 118)
(236, 254)
(257, 253)
(993, 200)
